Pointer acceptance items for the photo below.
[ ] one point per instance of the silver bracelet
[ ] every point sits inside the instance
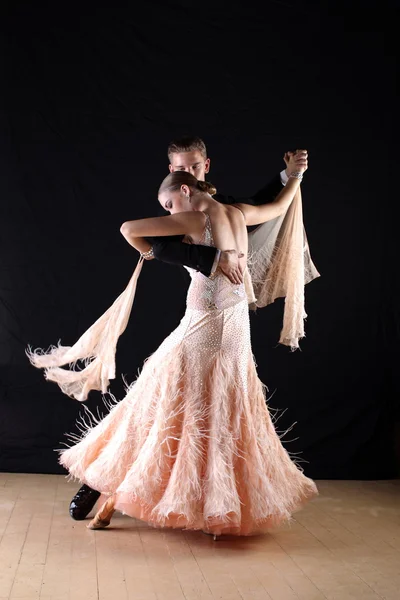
(296, 175)
(148, 254)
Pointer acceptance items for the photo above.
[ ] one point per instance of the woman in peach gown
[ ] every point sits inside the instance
(192, 445)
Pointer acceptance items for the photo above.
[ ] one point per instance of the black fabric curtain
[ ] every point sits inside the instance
(90, 102)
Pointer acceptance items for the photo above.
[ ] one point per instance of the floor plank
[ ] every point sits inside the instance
(344, 545)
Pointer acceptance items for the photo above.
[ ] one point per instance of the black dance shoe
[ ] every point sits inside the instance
(83, 502)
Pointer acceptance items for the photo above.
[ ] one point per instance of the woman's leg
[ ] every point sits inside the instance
(103, 516)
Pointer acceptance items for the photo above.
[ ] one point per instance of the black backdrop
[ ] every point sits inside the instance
(91, 100)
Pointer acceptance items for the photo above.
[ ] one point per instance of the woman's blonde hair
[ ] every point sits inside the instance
(175, 180)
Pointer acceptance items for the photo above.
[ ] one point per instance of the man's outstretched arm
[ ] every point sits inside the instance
(268, 193)
(205, 259)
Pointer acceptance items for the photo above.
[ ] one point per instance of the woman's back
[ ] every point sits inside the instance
(224, 228)
(229, 229)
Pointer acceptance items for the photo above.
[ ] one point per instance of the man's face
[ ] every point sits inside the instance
(192, 162)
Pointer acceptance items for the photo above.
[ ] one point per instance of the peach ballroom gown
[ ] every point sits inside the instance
(192, 445)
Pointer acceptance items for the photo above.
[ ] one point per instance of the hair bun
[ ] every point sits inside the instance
(176, 179)
(206, 186)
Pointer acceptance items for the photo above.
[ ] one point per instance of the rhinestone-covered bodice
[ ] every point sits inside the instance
(212, 294)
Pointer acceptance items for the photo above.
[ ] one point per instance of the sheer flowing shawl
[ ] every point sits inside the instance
(96, 348)
(280, 265)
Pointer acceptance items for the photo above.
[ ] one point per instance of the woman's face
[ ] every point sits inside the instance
(176, 201)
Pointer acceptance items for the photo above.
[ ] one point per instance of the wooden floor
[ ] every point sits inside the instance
(345, 544)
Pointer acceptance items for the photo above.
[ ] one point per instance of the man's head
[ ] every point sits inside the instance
(189, 154)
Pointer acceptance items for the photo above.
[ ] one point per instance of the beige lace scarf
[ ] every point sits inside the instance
(279, 266)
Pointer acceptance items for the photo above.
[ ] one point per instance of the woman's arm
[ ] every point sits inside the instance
(185, 223)
(255, 215)
(140, 244)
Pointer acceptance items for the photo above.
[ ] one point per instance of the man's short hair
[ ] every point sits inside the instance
(187, 144)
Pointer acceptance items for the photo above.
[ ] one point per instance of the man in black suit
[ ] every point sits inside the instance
(190, 154)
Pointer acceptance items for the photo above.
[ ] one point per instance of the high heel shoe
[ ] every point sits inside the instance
(98, 523)
(103, 517)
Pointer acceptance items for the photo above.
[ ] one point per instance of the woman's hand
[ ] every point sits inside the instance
(296, 161)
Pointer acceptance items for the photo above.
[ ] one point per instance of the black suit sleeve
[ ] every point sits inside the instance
(267, 194)
(172, 250)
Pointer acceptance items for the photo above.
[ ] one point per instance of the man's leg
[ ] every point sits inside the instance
(83, 502)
